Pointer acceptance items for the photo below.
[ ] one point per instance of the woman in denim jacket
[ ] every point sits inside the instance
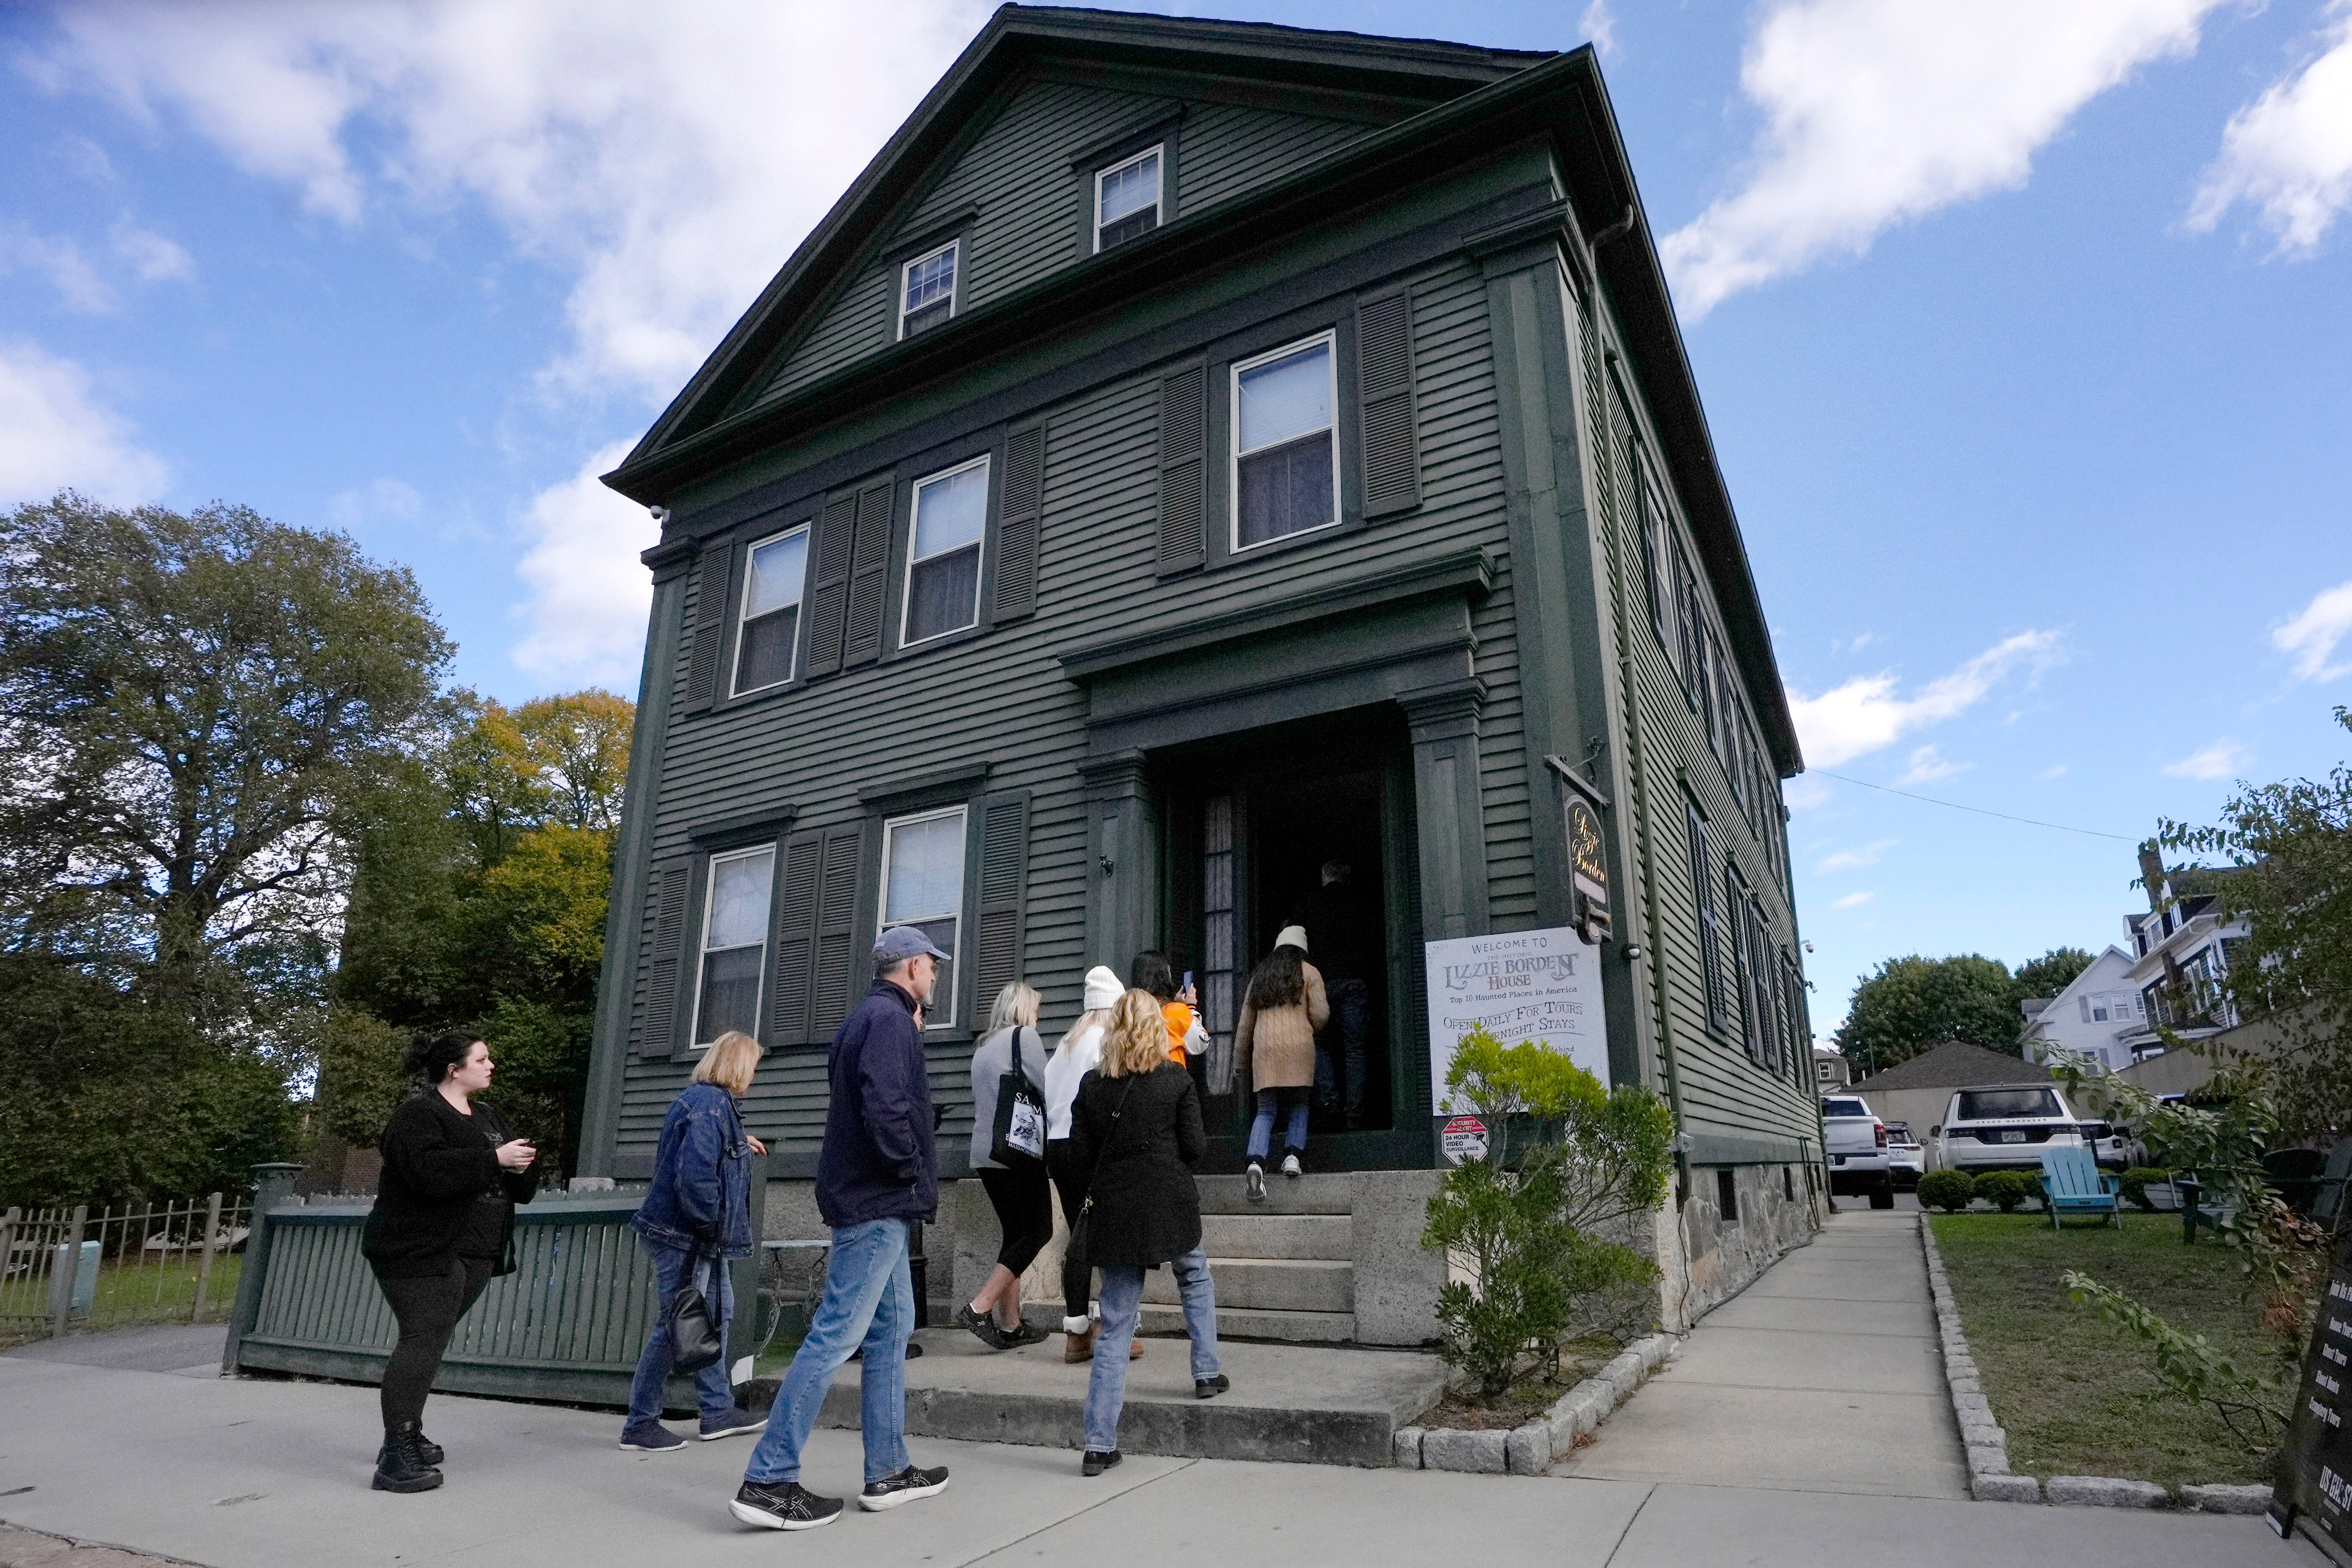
(698, 1208)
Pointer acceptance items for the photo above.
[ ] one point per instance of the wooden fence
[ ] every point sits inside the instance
(63, 1270)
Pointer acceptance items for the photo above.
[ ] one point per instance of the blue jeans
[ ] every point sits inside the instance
(1122, 1302)
(869, 1304)
(1294, 1136)
(711, 1389)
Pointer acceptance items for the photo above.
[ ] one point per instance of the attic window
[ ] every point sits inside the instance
(1126, 199)
(927, 290)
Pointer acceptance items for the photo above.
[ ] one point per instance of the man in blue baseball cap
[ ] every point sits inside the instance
(876, 1177)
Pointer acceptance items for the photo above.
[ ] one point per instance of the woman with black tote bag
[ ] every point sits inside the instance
(1008, 1153)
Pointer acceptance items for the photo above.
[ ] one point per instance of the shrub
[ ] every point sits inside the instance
(1950, 1191)
(2136, 1183)
(2005, 1189)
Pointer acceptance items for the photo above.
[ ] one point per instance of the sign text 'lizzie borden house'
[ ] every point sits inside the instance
(1191, 456)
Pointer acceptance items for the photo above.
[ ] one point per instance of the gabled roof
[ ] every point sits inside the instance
(1955, 1064)
(1457, 103)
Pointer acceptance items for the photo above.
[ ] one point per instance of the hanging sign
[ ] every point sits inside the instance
(1539, 986)
(1590, 870)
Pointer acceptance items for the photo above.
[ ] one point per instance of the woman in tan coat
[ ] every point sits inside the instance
(1274, 1044)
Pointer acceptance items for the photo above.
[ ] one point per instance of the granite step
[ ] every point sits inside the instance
(1323, 1235)
(1325, 1194)
(1280, 1284)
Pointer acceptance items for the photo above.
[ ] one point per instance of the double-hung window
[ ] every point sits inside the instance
(922, 885)
(772, 610)
(1652, 517)
(1694, 647)
(950, 519)
(1711, 934)
(1285, 450)
(1126, 199)
(927, 290)
(734, 943)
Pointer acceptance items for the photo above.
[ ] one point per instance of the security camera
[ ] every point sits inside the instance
(660, 515)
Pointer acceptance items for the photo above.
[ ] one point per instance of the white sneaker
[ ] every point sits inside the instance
(1290, 1166)
(1253, 1183)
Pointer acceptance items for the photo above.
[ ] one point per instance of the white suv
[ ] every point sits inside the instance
(1855, 1141)
(2004, 1127)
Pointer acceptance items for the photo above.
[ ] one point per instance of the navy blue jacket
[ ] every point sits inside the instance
(878, 1161)
(700, 1199)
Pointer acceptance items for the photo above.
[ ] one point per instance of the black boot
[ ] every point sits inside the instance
(427, 1449)
(399, 1467)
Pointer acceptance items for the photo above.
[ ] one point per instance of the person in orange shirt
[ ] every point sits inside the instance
(1153, 971)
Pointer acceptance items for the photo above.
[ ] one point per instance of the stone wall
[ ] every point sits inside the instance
(1708, 1259)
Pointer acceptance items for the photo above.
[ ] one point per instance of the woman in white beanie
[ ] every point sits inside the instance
(1079, 1054)
(1274, 1043)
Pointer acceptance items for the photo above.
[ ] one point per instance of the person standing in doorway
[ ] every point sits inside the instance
(442, 1228)
(1022, 1197)
(1274, 1043)
(1136, 1125)
(1180, 1004)
(1079, 1054)
(876, 1177)
(697, 1215)
(1344, 954)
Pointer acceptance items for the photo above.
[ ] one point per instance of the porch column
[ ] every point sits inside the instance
(1451, 820)
(1123, 860)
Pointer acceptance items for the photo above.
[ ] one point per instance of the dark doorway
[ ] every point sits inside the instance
(1252, 822)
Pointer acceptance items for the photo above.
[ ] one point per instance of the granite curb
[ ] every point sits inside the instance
(1989, 1479)
(1529, 1448)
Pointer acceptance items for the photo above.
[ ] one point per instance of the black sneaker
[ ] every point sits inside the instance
(782, 1505)
(905, 1487)
(983, 1328)
(1209, 1387)
(1253, 1183)
(1095, 1464)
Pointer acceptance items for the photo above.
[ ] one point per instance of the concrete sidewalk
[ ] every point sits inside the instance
(1823, 1375)
(265, 1474)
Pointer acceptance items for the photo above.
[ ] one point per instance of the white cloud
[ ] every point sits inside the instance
(153, 257)
(2223, 758)
(56, 433)
(1854, 901)
(1927, 764)
(2312, 634)
(1806, 793)
(665, 160)
(2056, 771)
(1879, 112)
(2289, 153)
(1867, 713)
(1600, 25)
(393, 498)
(60, 261)
(589, 594)
(1853, 859)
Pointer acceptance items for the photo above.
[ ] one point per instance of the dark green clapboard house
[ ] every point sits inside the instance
(1191, 453)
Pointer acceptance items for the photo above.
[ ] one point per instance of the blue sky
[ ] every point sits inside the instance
(2025, 333)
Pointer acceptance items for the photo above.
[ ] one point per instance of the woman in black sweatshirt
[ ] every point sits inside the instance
(442, 1226)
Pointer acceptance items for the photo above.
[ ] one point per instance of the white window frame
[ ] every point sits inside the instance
(1329, 339)
(743, 614)
(955, 279)
(941, 1014)
(914, 520)
(703, 950)
(1160, 196)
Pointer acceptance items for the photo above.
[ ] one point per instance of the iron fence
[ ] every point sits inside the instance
(63, 1270)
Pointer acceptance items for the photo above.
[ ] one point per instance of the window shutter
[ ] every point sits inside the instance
(837, 936)
(667, 901)
(796, 927)
(1004, 880)
(709, 613)
(829, 593)
(862, 641)
(1384, 399)
(1016, 532)
(1184, 459)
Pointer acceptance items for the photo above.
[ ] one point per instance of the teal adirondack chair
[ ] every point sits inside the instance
(2071, 1180)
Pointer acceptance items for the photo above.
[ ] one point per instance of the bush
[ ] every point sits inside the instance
(2006, 1189)
(2136, 1183)
(1950, 1191)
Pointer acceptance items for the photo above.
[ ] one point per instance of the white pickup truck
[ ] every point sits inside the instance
(1856, 1142)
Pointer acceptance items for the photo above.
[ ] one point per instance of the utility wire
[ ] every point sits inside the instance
(1981, 810)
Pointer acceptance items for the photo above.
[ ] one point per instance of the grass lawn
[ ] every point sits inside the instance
(2077, 1392)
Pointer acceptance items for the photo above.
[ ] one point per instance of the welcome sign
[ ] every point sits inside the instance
(1539, 986)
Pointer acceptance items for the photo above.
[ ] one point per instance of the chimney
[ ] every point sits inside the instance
(2151, 875)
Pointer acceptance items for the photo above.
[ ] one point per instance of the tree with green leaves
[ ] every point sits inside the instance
(2049, 974)
(1908, 1004)
(202, 711)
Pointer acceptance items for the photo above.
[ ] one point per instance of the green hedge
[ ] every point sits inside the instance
(1950, 1191)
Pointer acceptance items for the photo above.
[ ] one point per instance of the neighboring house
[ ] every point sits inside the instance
(1918, 1091)
(2181, 950)
(1831, 1069)
(1190, 453)
(2094, 1017)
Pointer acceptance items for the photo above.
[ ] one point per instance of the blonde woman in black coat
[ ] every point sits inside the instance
(1136, 1125)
